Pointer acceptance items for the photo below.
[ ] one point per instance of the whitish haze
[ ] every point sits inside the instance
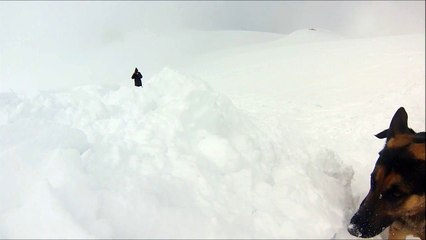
(46, 45)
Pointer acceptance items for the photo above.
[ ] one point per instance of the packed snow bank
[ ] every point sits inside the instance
(174, 159)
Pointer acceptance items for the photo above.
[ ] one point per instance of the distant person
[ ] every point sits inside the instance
(138, 78)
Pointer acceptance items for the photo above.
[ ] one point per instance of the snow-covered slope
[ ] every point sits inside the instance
(268, 139)
(325, 71)
(310, 35)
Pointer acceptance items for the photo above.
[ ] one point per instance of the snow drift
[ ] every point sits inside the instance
(174, 159)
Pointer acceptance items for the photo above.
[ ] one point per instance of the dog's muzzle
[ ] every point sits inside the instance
(362, 226)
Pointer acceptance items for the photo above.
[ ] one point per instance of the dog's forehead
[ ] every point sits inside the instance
(398, 141)
(417, 150)
(406, 161)
(385, 176)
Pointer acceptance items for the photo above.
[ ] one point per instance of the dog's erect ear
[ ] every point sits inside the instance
(420, 137)
(382, 134)
(399, 124)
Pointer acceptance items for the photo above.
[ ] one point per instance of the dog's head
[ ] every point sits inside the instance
(397, 183)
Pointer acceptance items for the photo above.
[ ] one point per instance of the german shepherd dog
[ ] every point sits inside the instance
(397, 188)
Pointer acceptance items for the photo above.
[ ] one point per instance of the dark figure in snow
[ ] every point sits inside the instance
(138, 78)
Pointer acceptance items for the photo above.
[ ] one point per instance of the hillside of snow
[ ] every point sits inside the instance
(269, 138)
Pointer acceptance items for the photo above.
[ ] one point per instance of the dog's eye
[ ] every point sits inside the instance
(394, 194)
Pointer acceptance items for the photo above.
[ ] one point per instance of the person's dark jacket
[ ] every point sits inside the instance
(138, 78)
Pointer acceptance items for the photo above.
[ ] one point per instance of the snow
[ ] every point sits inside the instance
(268, 138)
(312, 35)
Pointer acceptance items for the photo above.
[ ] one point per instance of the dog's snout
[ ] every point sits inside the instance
(366, 223)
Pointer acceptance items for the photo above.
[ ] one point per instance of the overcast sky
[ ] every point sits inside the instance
(356, 18)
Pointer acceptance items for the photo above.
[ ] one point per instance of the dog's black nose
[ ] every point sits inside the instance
(354, 231)
(362, 227)
(359, 227)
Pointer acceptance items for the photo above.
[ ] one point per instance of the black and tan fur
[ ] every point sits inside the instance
(397, 192)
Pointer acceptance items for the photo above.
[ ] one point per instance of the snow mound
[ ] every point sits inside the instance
(172, 159)
(147, 162)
